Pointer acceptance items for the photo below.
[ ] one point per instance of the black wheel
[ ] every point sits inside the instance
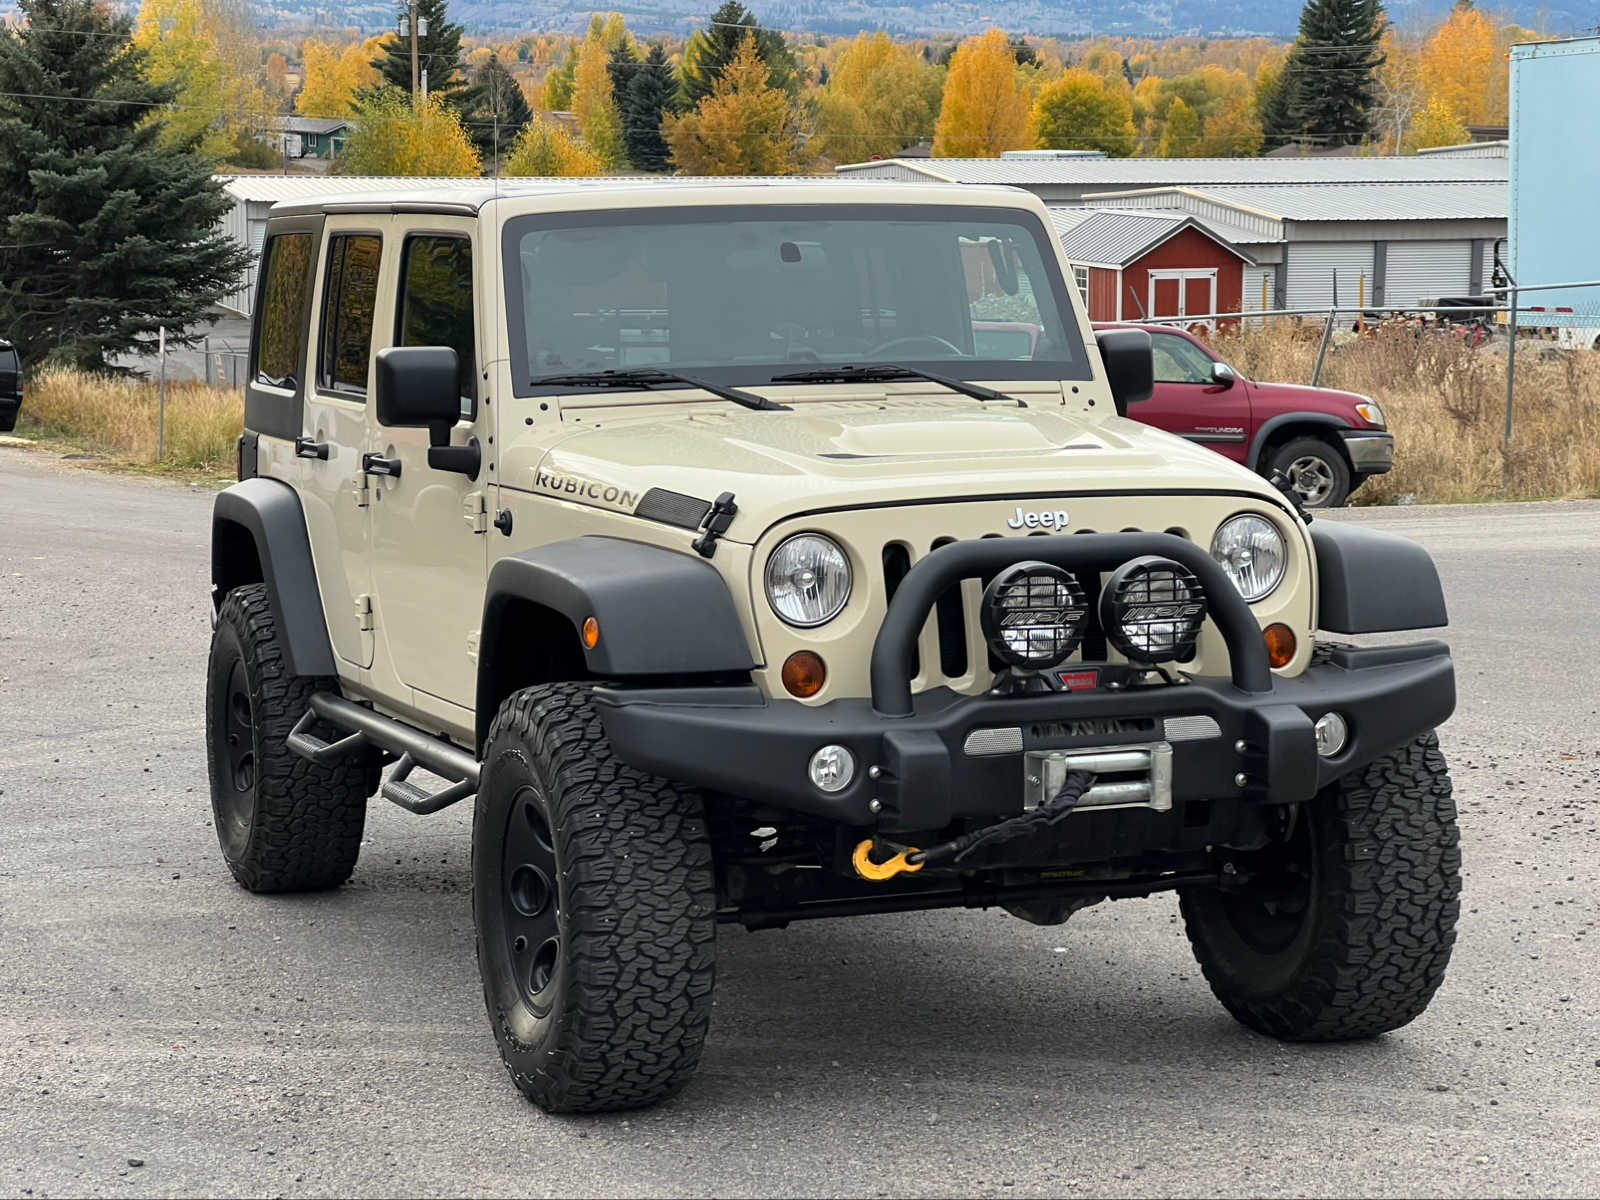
(1316, 470)
(1342, 928)
(285, 824)
(595, 906)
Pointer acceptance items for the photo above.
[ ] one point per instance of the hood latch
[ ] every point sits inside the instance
(715, 523)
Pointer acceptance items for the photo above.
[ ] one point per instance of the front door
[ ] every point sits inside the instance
(1188, 400)
(430, 556)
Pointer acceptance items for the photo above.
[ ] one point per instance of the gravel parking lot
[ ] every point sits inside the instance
(162, 1031)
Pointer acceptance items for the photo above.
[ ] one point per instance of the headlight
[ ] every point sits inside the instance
(1251, 550)
(1033, 615)
(808, 580)
(1152, 609)
(1371, 412)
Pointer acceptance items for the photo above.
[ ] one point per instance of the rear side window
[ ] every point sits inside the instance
(436, 303)
(281, 334)
(349, 303)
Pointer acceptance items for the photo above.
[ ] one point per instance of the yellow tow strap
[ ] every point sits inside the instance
(878, 872)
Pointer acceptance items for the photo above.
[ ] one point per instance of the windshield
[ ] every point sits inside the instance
(744, 294)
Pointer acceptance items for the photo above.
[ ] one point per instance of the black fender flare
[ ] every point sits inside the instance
(1268, 428)
(1370, 581)
(258, 535)
(661, 612)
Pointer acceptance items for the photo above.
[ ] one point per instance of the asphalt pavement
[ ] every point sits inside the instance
(164, 1032)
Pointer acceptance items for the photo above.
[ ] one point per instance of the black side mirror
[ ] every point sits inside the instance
(1130, 368)
(419, 386)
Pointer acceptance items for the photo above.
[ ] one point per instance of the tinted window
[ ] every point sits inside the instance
(1178, 360)
(281, 332)
(742, 295)
(436, 303)
(349, 300)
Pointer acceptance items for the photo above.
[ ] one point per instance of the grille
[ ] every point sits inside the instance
(960, 651)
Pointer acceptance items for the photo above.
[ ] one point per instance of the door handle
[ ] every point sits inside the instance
(377, 464)
(304, 447)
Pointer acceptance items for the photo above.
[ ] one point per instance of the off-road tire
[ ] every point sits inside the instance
(629, 949)
(297, 828)
(1373, 942)
(1337, 470)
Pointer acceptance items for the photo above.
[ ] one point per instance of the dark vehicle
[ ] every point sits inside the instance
(10, 386)
(1327, 442)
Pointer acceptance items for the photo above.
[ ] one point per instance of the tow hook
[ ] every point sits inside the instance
(878, 872)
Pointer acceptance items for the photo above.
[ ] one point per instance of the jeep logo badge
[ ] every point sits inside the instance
(1056, 520)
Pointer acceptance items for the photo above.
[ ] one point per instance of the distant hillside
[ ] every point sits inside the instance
(1071, 18)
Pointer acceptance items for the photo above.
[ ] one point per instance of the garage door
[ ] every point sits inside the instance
(1313, 267)
(1420, 272)
(1255, 298)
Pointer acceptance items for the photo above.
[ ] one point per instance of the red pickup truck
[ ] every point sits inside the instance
(1327, 442)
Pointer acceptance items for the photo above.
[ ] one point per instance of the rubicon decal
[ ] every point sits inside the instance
(575, 488)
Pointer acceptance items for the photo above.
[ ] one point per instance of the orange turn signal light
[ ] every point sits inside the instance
(804, 673)
(1281, 644)
(591, 632)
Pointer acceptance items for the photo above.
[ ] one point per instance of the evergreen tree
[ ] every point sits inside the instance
(622, 65)
(711, 49)
(1326, 90)
(493, 108)
(438, 52)
(108, 230)
(649, 98)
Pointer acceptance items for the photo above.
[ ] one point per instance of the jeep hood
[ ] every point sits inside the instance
(830, 456)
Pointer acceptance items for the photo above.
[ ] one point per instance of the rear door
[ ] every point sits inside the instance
(1188, 402)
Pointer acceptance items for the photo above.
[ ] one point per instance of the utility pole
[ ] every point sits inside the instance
(414, 55)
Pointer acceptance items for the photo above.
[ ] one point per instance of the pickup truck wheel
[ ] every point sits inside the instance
(1317, 472)
(285, 824)
(595, 907)
(1342, 929)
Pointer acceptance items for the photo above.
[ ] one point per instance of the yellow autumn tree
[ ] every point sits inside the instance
(1400, 91)
(880, 97)
(745, 127)
(205, 50)
(543, 149)
(985, 108)
(594, 100)
(333, 77)
(391, 138)
(1233, 131)
(1462, 66)
(1181, 132)
(1437, 125)
(1083, 110)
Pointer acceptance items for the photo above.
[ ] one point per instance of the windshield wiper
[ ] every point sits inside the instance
(650, 377)
(887, 372)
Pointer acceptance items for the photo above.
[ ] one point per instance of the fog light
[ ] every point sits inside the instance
(832, 768)
(1332, 734)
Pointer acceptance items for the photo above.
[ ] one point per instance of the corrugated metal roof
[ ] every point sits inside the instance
(1488, 200)
(272, 188)
(306, 124)
(1115, 237)
(1236, 235)
(1194, 172)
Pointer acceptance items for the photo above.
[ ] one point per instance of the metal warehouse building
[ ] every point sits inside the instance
(1385, 232)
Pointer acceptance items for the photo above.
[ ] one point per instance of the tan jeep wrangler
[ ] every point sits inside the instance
(765, 552)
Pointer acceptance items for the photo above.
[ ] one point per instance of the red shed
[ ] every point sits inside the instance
(1133, 264)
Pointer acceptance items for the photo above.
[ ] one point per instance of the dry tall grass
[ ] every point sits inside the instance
(1446, 405)
(120, 418)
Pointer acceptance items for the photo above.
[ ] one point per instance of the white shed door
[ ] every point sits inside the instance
(1257, 289)
(1312, 266)
(1420, 272)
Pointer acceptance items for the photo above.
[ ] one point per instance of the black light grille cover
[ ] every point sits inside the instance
(1152, 609)
(1033, 615)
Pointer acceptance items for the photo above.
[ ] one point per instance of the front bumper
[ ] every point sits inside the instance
(1371, 451)
(926, 769)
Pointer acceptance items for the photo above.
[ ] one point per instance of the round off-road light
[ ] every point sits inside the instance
(1033, 615)
(1152, 609)
(1332, 734)
(832, 768)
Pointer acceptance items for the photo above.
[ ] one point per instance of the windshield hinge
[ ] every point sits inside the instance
(715, 524)
(475, 511)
